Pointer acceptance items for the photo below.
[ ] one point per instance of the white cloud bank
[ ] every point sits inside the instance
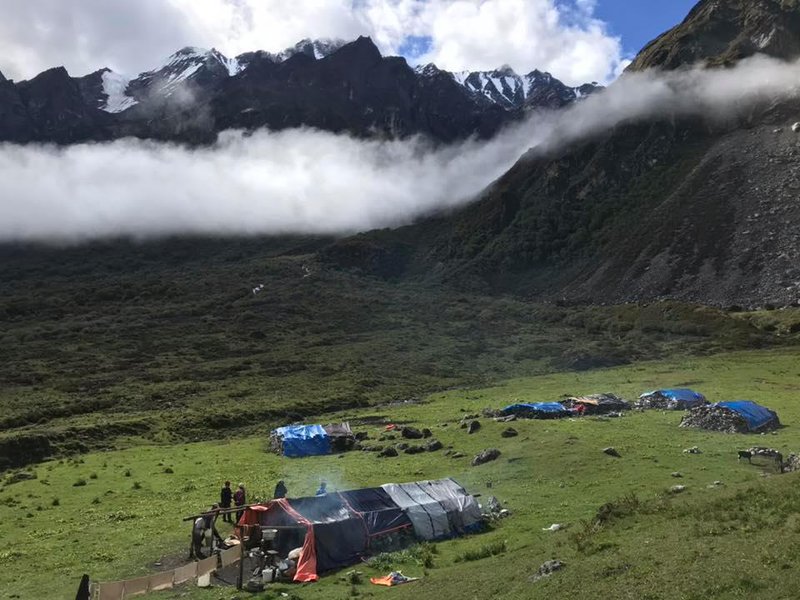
(314, 182)
(564, 38)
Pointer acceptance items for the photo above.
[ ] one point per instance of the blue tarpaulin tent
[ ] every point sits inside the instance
(544, 410)
(303, 440)
(674, 399)
(756, 415)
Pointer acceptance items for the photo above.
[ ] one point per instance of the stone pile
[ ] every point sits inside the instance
(715, 418)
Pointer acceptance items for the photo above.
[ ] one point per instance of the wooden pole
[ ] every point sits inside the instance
(220, 511)
(240, 578)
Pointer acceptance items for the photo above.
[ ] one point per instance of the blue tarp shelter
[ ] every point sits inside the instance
(756, 415)
(674, 399)
(303, 440)
(537, 410)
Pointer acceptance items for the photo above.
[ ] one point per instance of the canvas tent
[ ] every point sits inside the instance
(598, 404)
(312, 440)
(739, 416)
(671, 399)
(338, 529)
(537, 410)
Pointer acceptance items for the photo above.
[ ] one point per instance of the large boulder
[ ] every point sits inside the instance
(487, 455)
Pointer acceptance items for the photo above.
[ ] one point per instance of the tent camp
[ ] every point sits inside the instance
(671, 399)
(597, 404)
(537, 410)
(311, 440)
(338, 529)
(739, 416)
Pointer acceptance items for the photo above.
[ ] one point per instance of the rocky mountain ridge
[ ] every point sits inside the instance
(328, 84)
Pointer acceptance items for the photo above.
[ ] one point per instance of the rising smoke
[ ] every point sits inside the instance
(308, 181)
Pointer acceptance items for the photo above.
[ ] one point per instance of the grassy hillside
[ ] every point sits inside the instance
(166, 341)
(737, 540)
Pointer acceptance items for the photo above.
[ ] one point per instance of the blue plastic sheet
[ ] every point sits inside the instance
(756, 415)
(684, 395)
(544, 407)
(304, 440)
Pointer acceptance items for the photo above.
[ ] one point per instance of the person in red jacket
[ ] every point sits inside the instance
(239, 499)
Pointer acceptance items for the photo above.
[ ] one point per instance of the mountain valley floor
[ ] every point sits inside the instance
(115, 513)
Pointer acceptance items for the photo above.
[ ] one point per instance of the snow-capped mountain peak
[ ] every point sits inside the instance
(316, 49)
(505, 87)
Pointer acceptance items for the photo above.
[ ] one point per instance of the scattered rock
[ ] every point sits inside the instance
(547, 569)
(401, 446)
(473, 426)
(463, 425)
(494, 510)
(20, 476)
(677, 474)
(388, 451)
(692, 450)
(554, 527)
(796, 127)
(361, 435)
(433, 446)
(458, 455)
(486, 456)
(411, 433)
(509, 433)
(507, 419)
(611, 452)
(715, 484)
(677, 489)
(426, 433)
(414, 450)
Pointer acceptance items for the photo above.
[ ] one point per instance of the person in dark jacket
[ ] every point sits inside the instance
(280, 490)
(239, 499)
(225, 499)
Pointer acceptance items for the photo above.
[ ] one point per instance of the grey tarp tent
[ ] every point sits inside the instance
(437, 509)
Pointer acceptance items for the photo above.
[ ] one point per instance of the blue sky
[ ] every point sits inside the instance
(639, 21)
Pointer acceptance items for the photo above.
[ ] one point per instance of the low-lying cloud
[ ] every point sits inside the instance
(308, 181)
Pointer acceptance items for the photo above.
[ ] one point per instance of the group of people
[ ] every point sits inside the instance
(227, 499)
(228, 496)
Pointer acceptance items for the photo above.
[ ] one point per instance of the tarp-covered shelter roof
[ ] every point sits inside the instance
(339, 528)
(756, 415)
(672, 398)
(542, 407)
(438, 509)
(303, 440)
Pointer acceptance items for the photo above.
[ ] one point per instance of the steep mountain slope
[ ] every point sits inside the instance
(686, 209)
(723, 31)
(328, 84)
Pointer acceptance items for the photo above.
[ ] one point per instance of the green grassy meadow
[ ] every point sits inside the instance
(115, 513)
(166, 342)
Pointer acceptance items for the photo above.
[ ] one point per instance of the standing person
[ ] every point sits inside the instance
(225, 499)
(201, 525)
(323, 489)
(239, 499)
(280, 490)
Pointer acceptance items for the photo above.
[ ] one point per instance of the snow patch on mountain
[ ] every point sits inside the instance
(317, 49)
(114, 86)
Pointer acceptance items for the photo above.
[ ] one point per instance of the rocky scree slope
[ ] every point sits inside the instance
(687, 209)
